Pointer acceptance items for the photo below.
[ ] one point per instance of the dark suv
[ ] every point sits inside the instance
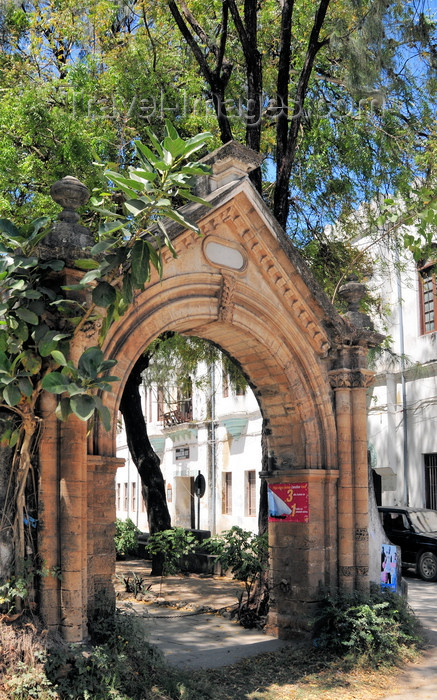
(414, 530)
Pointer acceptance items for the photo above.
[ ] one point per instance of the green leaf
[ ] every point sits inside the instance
(176, 216)
(136, 206)
(55, 382)
(102, 246)
(86, 264)
(109, 227)
(90, 276)
(90, 361)
(26, 386)
(55, 265)
(127, 182)
(12, 394)
(11, 231)
(104, 413)
(59, 357)
(140, 263)
(27, 316)
(127, 288)
(63, 409)
(5, 364)
(49, 342)
(83, 406)
(31, 362)
(104, 294)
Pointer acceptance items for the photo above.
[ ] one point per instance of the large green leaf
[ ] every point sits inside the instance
(140, 263)
(90, 362)
(10, 230)
(103, 246)
(104, 413)
(104, 294)
(27, 316)
(12, 394)
(63, 409)
(83, 406)
(55, 382)
(86, 264)
(136, 206)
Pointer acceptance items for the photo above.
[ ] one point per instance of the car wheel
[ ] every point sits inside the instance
(427, 566)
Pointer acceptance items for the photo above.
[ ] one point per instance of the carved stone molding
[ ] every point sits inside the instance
(362, 570)
(361, 534)
(347, 571)
(225, 305)
(251, 237)
(351, 379)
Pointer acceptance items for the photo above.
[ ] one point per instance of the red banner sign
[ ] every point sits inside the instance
(288, 503)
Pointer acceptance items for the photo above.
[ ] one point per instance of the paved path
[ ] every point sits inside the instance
(192, 639)
(420, 680)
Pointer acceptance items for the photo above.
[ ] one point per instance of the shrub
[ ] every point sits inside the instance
(172, 545)
(245, 555)
(126, 537)
(377, 628)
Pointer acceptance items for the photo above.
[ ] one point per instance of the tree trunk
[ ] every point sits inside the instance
(7, 511)
(144, 457)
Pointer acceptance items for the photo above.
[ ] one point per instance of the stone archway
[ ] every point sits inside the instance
(243, 287)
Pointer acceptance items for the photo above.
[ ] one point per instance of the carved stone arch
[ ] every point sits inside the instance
(287, 377)
(245, 288)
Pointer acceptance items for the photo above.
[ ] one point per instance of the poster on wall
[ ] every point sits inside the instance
(388, 566)
(288, 503)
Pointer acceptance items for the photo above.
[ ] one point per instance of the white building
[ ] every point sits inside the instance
(215, 433)
(402, 416)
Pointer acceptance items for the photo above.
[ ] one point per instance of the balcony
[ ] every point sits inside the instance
(180, 412)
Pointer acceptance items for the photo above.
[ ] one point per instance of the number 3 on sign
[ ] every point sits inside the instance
(289, 495)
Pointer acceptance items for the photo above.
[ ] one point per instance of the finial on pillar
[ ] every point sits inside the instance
(67, 239)
(353, 293)
(70, 194)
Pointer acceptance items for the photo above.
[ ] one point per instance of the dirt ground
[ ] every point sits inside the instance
(190, 591)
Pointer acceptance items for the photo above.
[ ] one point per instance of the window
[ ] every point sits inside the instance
(118, 500)
(430, 461)
(250, 500)
(134, 497)
(428, 299)
(227, 494)
(143, 505)
(125, 496)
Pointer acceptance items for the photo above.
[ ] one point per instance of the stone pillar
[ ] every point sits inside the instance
(303, 555)
(63, 451)
(73, 529)
(350, 380)
(48, 512)
(340, 381)
(101, 530)
(361, 381)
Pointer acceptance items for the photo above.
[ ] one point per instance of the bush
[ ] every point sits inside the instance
(126, 537)
(377, 628)
(245, 555)
(172, 545)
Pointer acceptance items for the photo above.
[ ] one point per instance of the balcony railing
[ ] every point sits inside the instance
(181, 413)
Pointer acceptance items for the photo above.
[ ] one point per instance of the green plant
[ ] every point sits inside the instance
(375, 628)
(172, 544)
(126, 537)
(245, 555)
(41, 318)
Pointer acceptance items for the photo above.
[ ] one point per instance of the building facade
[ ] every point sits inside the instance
(402, 409)
(214, 433)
